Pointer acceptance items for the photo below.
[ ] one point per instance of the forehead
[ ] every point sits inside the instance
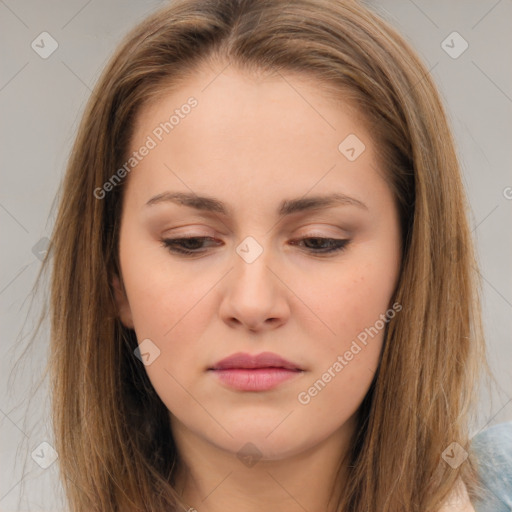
(232, 99)
(250, 130)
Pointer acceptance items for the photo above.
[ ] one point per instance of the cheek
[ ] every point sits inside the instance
(345, 362)
(349, 298)
(354, 304)
(169, 308)
(163, 295)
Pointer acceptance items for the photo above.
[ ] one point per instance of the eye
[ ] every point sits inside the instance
(323, 245)
(185, 245)
(194, 245)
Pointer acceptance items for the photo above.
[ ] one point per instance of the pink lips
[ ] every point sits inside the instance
(262, 372)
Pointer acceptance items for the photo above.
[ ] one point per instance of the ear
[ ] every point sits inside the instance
(123, 307)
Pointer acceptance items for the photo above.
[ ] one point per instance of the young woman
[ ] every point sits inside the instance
(262, 293)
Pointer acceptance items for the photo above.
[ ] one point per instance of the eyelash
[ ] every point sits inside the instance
(174, 246)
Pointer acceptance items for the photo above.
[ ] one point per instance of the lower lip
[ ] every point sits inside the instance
(255, 379)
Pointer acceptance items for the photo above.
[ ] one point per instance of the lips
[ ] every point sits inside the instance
(262, 372)
(248, 361)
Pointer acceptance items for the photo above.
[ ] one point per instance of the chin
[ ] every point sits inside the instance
(265, 441)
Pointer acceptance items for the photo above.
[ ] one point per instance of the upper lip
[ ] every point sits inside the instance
(263, 360)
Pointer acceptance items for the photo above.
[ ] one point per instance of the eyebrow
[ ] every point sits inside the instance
(287, 207)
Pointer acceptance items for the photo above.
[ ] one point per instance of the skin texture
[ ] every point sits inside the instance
(252, 142)
(458, 500)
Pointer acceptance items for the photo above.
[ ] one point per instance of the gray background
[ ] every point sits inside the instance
(41, 101)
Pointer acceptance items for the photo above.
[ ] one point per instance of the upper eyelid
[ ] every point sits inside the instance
(318, 229)
(298, 237)
(212, 223)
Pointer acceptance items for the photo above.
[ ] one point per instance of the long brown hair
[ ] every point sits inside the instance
(112, 430)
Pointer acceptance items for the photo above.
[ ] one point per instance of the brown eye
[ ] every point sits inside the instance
(322, 245)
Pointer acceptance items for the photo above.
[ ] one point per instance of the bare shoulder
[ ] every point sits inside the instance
(458, 500)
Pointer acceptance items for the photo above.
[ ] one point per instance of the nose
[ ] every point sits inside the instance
(255, 296)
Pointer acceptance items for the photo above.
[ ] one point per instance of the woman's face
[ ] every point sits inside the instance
(268, 156)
